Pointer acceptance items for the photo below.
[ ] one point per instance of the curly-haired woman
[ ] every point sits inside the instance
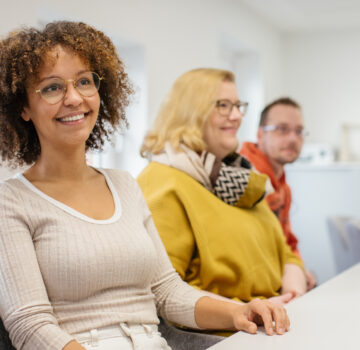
(81, 263)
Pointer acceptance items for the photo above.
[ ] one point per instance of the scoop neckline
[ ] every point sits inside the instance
(116, 215)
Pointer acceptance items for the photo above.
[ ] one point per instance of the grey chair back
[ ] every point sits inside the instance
(181, 339)
(353, 230)
(5, 343)
(344, 236)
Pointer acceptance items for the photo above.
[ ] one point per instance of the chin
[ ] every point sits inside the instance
(285, 160)
(231, 146)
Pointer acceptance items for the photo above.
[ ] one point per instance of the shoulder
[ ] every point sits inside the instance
(159, 180)
(162, 183)
(5, 190)
(122, 181)
(119, 178)
(162, 174)
(10, 187)
(12, 195)
(154, 168)
(117, 175)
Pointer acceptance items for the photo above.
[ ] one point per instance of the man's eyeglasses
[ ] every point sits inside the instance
(225, 107)
(53, 90)
(283, 130)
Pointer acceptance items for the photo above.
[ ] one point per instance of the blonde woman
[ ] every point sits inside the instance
(207, 202)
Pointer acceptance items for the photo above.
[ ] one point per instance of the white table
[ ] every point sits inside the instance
(326, 318)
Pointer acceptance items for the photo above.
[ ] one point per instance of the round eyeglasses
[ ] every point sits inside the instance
(284, 130)
(225, 107)
(53, 90)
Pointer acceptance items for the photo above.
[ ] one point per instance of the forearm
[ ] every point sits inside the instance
(220, 297)
(293, 280)
(73, 345)
(211, 313)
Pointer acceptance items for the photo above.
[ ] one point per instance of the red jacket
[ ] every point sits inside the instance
(280, 200)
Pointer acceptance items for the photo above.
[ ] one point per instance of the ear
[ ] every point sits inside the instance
(25, 114)
(260, 138)
(259, 134)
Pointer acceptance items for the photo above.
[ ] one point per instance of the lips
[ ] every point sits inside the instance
(72, 118)
(290, 149)
(290, 152)
(231, 130)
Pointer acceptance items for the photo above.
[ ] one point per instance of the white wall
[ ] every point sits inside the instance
(320, 193)
(175, 35)
(322, 72)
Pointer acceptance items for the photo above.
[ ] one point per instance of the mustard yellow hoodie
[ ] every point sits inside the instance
(234, 252)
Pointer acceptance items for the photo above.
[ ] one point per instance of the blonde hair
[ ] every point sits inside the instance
(183, 114)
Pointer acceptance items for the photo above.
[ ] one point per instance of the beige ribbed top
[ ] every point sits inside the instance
(62, 272)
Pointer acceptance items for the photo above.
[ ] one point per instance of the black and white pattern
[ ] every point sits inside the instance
(231, 183)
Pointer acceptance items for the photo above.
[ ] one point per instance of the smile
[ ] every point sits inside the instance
(230, 130)
(72, 118)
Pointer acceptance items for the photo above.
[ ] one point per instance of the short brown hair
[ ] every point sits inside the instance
(287, 101)
(22, 55)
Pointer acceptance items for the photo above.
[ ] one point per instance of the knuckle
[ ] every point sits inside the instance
(256, 301)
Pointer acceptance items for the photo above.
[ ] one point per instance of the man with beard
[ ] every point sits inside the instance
(280, 139)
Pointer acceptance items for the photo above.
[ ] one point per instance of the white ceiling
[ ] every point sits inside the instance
(308, 15)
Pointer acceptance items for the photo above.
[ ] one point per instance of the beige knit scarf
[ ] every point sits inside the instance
(232, 179)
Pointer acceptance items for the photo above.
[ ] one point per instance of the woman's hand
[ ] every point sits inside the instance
(228, 315)
(293, 280)
(261, 312)
(73, 345)
(283, 299)
(310, 280)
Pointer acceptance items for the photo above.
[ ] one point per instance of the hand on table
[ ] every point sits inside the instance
(293, 280)
(283, 299)
(248, 316)
(310, 280)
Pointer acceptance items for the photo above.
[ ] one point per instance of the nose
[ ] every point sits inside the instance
(72, 96)
(235, 114)
(293, 138)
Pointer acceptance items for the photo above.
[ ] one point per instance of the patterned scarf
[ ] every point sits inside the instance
(231, 179)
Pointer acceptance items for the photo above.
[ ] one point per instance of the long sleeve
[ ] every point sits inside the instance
(292, 257)
(175, 299)
(24, 304)
(174, 228)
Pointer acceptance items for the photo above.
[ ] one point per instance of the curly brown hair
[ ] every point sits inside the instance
(22, 55)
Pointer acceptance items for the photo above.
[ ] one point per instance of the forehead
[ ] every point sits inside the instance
(284, 114)
(227, 91)
(59, 60)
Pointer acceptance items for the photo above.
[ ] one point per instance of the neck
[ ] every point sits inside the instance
(68, 165)
(278, 168)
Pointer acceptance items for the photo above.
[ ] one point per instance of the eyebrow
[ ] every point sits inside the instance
(57, 77)
(226, 99)
(296, 127)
